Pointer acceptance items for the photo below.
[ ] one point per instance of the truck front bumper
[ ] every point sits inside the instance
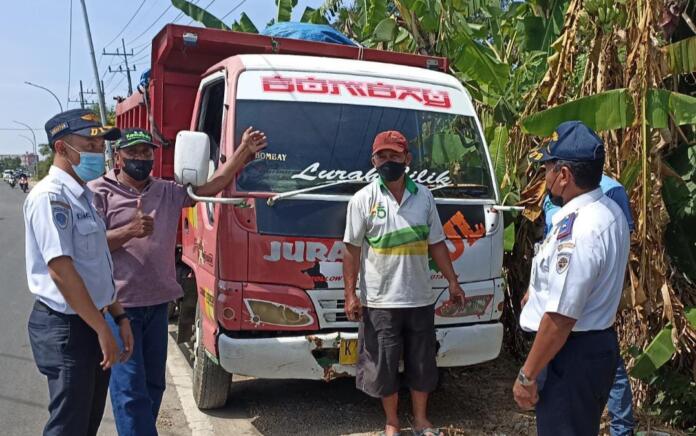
(294, 356)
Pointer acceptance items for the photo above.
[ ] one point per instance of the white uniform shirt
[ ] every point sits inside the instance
(394, 270)
(60, 221)
(578, 271)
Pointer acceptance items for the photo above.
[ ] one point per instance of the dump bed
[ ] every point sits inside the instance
(181, 54)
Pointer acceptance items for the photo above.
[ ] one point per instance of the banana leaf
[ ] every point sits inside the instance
(199, 14)
(681, 56)
(284, 10)
(655, 355)
(691, 316)
(385, 30)
(244, 24)
(540, 31)
(447, 147)
(496, 145)
(478, 63)
(314, 16)
(376, 11)
(605, 111)
(509, 237)
(662, 103)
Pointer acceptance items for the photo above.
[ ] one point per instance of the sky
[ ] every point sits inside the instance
(35, 35)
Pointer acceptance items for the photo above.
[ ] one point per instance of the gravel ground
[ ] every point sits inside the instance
(471, 401)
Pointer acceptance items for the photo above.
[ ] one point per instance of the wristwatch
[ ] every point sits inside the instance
(523, 379)
(121, 317)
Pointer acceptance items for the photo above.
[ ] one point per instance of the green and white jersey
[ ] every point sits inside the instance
(394, 270)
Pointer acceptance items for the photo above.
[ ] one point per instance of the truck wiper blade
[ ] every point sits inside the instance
(465, 187)
(284, 195)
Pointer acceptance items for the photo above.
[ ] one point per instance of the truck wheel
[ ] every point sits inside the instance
(211, 383)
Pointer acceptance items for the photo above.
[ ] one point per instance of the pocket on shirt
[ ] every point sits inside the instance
(86, 239)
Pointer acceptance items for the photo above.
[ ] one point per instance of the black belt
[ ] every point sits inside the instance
(590, 332)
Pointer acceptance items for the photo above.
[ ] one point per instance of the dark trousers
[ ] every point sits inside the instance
(67, 352)
(576, 385)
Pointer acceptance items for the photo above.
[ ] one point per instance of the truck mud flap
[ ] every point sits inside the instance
(187, 311)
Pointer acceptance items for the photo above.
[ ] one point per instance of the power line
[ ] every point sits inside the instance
(125, 70)
(17, 129)
(127, 24)
(111, 91)
(151, 25)
(233, 9)
(194, 2)
(69, 52)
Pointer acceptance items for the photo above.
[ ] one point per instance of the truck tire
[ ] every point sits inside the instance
(211, 383)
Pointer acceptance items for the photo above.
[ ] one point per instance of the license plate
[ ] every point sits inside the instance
(348, 352)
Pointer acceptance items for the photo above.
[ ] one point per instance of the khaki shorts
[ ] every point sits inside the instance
(387, 335)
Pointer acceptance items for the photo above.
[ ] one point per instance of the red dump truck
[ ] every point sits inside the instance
(261, 263)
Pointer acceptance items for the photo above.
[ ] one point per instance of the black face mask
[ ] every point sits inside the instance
(391, 171)
(556, 200)
(137, 169)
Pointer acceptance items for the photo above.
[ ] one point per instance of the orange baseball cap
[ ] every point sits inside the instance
(390, 140)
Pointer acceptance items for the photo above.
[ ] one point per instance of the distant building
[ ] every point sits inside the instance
(29, 159)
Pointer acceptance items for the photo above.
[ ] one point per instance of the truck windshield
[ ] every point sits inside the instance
(315, 143)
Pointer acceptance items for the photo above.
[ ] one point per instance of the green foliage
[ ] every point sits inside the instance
(284, 12)
(45, 162)
(539, 31)
(244, 24)
(314, 16)
(385, 31)
(656, 354)
(681, 56)
(675, 400)
(609, 110)
(199, 14)
(10, 163)
(663, 104)
(679, 195)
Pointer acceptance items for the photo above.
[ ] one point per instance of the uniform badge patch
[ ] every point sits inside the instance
(566, 227)
(562, 263)
(60, 217)
(61, 213)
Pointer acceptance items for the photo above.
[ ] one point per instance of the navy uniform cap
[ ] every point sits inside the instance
(573, 141)
(80, 122)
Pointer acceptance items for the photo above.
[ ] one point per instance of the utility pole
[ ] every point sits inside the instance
(126, 70)
(97, 80)
(82, 96)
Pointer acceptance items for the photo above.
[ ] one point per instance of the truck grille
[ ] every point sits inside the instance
(329, 305)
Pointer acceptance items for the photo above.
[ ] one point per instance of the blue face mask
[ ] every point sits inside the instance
(91, 165)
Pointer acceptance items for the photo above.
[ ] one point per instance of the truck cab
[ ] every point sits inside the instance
(261, 263)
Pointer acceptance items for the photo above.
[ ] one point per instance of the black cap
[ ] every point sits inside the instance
(131, 137)
(81, 122)
(572, 141)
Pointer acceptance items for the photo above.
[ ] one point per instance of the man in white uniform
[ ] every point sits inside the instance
(69, 271)
(574, 291)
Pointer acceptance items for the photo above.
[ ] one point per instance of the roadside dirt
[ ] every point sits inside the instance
(472, 401)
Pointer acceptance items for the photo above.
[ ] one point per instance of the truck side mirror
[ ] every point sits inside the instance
(191, 158)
